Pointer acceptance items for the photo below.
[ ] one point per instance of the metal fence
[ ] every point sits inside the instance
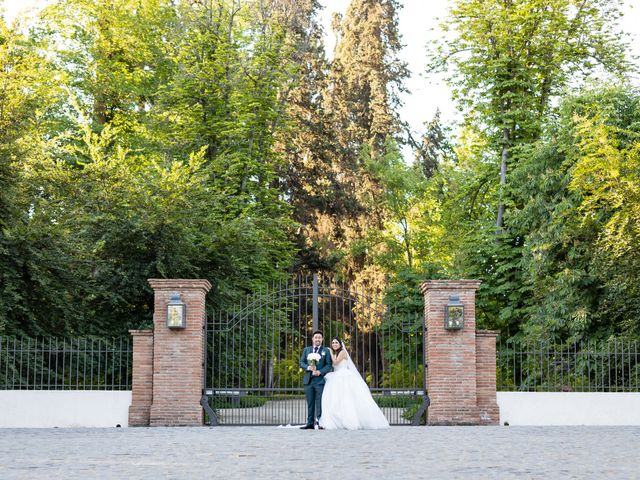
(252, 373)
(611, 366)
(88, 363)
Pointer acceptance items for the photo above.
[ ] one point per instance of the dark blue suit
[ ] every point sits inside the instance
(314, 385)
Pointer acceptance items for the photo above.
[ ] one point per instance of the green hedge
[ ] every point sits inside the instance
(248, 401)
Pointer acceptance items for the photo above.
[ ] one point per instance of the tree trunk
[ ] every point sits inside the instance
(503, 176)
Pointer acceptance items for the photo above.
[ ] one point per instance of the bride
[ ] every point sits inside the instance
(346, 401)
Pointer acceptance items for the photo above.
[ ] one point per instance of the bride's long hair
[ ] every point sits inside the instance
(336, 352)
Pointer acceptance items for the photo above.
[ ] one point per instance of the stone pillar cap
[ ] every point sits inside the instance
(141, 332)
(487, 333)
(449, 285)
(179, 284)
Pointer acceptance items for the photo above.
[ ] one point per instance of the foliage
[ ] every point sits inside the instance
(248, 401)
(214, 139)
(342, 108)
(399, 375)
(509, 63)
(410, 404)
(177, 180)
(580, 212)
(288, 373)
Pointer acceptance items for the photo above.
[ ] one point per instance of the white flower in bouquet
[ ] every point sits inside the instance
(313, 358)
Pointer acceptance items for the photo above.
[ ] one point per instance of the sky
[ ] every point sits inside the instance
(418, 21)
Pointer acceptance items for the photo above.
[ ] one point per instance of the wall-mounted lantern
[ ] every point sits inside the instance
(176, 312)
(454, 314)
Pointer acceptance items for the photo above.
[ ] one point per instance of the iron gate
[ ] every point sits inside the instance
(252, 352)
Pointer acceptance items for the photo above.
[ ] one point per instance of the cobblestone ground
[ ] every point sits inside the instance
(277, 453)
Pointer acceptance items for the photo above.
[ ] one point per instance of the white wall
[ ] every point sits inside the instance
(569, 408)
(90, 408)
(68, 408)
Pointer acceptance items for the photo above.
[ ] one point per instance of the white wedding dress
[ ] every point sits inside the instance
(347, 402)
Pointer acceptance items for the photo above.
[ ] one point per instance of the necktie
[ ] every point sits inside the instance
(315, 349)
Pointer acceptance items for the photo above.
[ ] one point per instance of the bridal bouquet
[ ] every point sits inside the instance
(313, 358)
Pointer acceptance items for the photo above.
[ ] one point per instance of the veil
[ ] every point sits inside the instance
(352, 366)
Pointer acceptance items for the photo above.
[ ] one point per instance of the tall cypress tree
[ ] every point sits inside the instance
(309, 175)
(334, 194)
(367, 75)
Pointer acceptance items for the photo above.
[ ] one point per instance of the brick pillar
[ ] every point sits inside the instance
(142, 378)
(451, 354)
(178, 355)
(486, 377)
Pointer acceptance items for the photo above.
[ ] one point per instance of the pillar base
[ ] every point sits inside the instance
(164, 415)
(454, 416)
(139, 415)
(490, 415)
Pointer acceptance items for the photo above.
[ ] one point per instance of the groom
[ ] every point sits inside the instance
(314, 378)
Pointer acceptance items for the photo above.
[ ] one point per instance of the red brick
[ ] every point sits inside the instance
(167, 369)
(458, 360)
(142, 378)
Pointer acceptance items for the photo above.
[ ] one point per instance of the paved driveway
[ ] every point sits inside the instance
(282, 453)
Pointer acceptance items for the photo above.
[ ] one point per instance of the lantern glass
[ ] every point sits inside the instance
(176, 312)
(454, 314)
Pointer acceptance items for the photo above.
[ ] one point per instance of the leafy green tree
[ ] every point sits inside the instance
(508, 62)
(152, 158)
(31, 254)
(360, 101)
(509, 59)
(581, 213)
(334, 111)
(412, 217)
(309, 174)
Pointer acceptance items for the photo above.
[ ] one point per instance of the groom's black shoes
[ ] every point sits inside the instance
(311, 427)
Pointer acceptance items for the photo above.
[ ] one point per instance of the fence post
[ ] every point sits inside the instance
(486, 377)
(141, 378)
(314, 308)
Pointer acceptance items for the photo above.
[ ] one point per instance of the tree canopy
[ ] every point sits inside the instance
(217, 139)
